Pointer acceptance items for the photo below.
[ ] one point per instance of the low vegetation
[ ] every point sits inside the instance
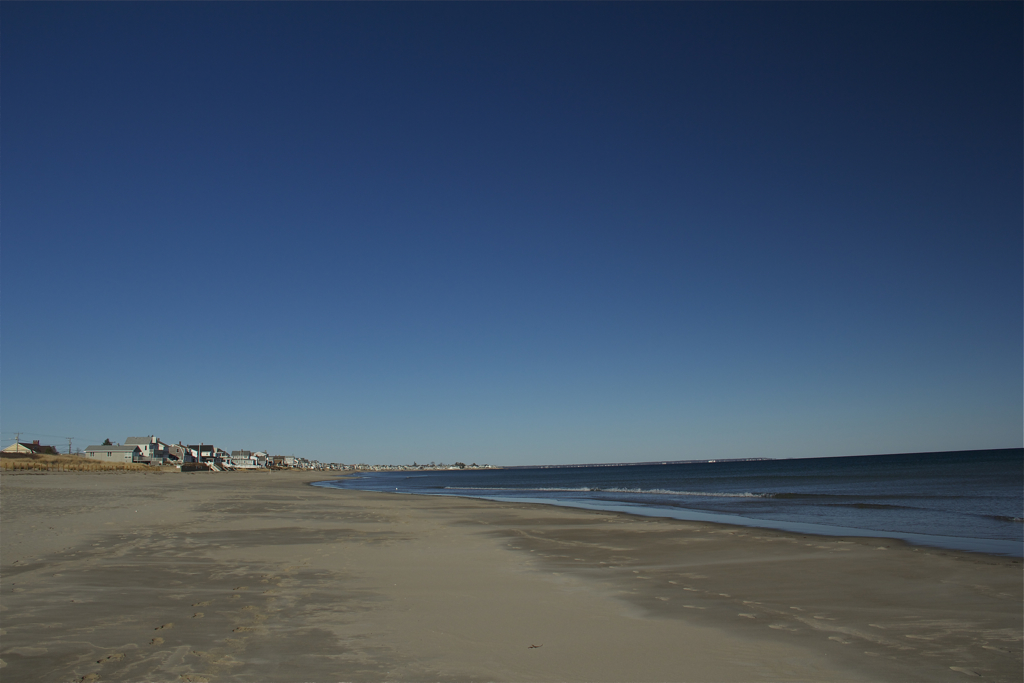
(64, 463)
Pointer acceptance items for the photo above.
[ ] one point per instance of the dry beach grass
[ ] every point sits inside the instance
(65, 463)
(236, 577)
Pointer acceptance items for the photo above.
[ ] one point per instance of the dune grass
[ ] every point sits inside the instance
(64, 463)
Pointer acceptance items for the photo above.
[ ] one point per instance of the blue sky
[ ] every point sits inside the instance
(513, 233)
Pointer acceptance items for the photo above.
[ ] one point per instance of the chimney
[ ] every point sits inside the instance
(35, 442)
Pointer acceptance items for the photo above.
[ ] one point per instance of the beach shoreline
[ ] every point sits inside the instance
(989, 547)
(227, 576)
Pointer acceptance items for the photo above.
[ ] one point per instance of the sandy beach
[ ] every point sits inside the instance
(261, 577)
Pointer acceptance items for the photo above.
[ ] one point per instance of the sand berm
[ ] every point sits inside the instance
(260, 577)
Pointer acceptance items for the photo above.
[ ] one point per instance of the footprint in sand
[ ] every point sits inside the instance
(160, 628)
(111, 658)
(965, 671)
(842, 641)
(156, 641)
(201, 604)
(198, 615)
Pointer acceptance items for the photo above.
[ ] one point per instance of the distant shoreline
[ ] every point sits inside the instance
(722, 460)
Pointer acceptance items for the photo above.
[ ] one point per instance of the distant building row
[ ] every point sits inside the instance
(152, 451)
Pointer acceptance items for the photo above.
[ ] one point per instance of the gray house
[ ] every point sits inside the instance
(178, 453)
(119, 454)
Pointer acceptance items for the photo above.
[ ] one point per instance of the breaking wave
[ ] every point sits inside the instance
(598, 489)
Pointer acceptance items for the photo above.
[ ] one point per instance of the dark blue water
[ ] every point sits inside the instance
(967, 500)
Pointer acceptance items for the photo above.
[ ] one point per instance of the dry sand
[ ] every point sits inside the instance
(259, 577)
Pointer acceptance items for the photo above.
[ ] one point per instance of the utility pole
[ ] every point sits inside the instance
(17, 438)
(69, 443)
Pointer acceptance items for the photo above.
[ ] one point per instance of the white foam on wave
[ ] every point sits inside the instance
(543, 488)
(595, 489)
(704, 494)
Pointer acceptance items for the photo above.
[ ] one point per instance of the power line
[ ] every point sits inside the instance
(52, 436)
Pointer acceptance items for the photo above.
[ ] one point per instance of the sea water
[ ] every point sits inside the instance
(966, 500)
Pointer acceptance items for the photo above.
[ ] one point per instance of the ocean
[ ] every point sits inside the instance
(963, 500)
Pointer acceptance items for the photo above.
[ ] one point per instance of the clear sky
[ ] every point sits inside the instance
(513, 233)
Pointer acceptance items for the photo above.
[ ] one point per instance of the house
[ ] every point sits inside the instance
(191, 452)
(177, 453)
(116, 453)
(31, 449)
(204, 452)
(261, 458)
(209, 453)
(243, 459)
(152, 448)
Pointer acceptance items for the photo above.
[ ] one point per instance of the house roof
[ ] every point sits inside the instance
(30, 448)
(141, 440)
(112, 449)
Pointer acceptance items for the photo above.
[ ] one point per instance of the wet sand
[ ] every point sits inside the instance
(260, 577)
